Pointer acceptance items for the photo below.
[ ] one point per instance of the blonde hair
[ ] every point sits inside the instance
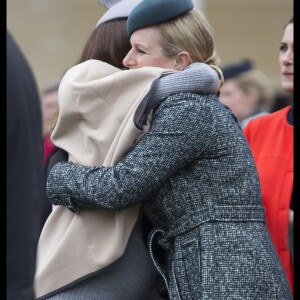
(190, 32)
(255, 79)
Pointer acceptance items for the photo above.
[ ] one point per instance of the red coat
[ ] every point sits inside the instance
(271, 139)
(49, 148)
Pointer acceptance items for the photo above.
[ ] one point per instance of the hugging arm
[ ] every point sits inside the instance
(171, 144)
(199, 78)
(196, 78)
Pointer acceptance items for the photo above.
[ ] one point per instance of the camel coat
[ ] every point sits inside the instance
(95, 126)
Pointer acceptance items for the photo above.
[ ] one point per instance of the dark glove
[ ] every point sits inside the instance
(65, 183)
(58, 156)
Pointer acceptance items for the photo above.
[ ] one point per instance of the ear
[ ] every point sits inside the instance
(182, 60)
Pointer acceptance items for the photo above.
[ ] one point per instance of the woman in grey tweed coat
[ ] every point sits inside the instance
(193, 171)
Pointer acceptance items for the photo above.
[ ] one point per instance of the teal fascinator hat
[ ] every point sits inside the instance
(152, 12)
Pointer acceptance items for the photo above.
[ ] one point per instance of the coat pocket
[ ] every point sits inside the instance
(188, 274)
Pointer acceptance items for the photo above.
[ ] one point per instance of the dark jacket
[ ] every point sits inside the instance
(196, 177)
(24, 174)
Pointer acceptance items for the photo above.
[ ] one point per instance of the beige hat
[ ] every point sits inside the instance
(109, 3)
(117, 9)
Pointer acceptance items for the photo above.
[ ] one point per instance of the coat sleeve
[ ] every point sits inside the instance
(181, 130)
(197, 78)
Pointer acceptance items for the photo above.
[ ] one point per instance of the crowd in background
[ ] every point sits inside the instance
(264, 117)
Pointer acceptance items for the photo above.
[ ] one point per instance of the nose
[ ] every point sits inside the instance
(288, 57)
(128, 61)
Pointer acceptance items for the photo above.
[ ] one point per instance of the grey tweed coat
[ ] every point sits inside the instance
(195, 175)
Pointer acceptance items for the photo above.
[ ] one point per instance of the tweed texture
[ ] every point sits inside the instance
(196, 78)
(95, 128)
(196, 176)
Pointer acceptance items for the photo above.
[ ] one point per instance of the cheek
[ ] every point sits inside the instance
(158, 61)
(280, 62)
(282, 59)
(232, 98)
(229, 101)
(226, 99)
(149, 61)
(166, 63)
(288, 85)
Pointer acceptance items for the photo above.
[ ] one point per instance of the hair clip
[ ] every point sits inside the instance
(219, 72)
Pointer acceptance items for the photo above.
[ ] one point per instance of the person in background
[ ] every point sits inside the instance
(24, 170)
(49, 113)
(133, 275)
(193, 172)
(50, 109)
(271, 139)
(108, 42)
(246, 91)
(282, 99)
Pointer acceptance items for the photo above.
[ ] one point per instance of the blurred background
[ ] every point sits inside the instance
(52, 33)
